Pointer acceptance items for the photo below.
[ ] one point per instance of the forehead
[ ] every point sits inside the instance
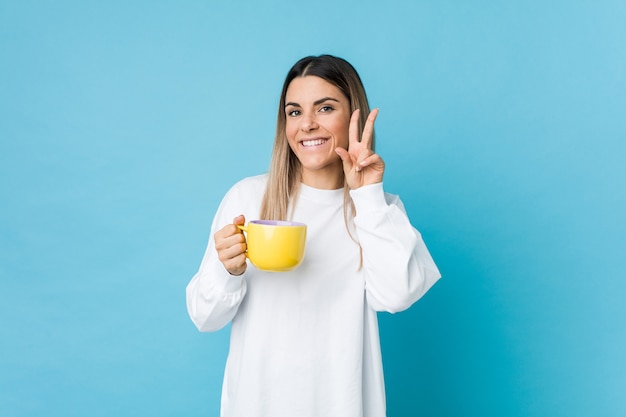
(310, 88)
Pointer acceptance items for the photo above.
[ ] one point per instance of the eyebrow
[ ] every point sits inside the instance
(316, 103)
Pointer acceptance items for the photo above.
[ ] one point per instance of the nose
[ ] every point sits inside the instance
(308, 123)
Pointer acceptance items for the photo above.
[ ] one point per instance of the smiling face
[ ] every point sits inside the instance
(317, 121)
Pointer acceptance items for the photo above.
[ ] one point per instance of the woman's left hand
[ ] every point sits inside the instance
(360, 164)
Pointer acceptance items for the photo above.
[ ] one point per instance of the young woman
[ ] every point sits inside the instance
(305, 342)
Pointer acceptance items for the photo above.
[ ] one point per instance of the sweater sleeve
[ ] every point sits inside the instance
(397, 265)
(213, 295)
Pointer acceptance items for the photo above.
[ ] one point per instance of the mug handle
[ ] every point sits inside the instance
(243, 229)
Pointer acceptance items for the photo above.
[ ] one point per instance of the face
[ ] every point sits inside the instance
(317, 121)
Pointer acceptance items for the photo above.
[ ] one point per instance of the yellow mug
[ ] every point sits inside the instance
(275, 245)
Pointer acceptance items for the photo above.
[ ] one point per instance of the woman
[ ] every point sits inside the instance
(305, 342)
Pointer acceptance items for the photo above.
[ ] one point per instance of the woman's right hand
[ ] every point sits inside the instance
(230, 244)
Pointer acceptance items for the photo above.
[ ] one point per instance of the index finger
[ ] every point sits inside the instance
(353, 132)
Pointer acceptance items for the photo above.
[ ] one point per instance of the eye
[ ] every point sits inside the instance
(293, 113)
(326, 109)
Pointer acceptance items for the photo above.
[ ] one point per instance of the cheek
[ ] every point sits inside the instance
(341, 131)
(290, 131)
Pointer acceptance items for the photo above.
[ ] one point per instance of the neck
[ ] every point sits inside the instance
(323, 179)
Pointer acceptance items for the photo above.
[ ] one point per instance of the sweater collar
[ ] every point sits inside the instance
(321, 196)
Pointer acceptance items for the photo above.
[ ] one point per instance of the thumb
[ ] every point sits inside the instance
(241, 219)
(345, 158)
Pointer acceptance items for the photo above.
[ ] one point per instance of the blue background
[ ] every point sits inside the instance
(503, 127)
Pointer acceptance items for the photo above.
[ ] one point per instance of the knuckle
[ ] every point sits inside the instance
(239, 250)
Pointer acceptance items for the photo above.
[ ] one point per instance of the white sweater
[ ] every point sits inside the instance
(305, 342)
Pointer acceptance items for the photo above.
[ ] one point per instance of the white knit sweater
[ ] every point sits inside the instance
(305, 342)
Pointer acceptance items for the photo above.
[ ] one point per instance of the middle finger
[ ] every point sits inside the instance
(368, 130)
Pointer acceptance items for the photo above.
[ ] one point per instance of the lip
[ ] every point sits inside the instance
(313, 142)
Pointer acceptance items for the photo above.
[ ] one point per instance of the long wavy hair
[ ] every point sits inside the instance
(285, 169)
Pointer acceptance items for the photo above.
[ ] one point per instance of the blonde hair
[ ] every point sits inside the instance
(285, 169)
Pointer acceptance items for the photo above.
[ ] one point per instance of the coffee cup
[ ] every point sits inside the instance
(275, 245)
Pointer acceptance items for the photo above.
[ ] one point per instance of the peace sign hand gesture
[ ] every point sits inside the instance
(361, 165)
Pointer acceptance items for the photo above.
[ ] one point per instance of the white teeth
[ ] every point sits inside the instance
(314, 142)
